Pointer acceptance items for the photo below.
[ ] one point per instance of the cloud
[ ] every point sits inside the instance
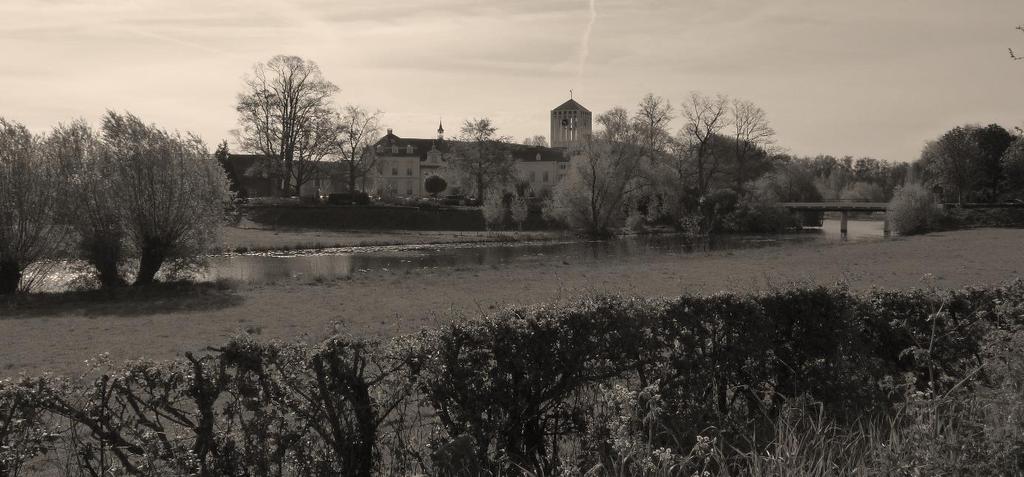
(585, 41)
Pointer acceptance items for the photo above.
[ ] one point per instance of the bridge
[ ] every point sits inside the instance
(843, 206)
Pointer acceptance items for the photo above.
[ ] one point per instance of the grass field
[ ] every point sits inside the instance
(58, 333)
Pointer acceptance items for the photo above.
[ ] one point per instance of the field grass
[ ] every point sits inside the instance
(40, 336)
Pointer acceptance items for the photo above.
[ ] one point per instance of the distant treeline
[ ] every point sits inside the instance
(928, 382)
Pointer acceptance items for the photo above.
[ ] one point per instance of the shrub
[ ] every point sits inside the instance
(435, 185)
(494, 209)
(921, 381)
(346, 198)
(913, 210)
(519, 210)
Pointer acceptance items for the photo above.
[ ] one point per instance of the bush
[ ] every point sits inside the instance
(435, 185)
(494, 209)
(347, 198)
(886, 379)
(913, 210)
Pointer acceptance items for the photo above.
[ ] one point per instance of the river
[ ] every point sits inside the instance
(345, 262)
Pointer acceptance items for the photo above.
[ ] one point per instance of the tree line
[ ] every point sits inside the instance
(973, 163)
(130, 200)
(722, 169)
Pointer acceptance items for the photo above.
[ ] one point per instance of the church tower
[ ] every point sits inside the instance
(570, 124)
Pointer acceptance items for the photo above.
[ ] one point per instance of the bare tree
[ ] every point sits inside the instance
(284, 108)
(172, 192)
(706, 118)
(651, 119)
(481, 157)
(359, 129)
(31, 187)
(538, 140)
(752, 136)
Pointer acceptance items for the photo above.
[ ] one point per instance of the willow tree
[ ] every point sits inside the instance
(93, 188)
(172, 192)
(31, 200)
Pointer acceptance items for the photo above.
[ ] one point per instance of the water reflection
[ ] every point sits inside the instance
(348, 262)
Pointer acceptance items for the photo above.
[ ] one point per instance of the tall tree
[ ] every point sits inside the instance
(359, 129)
(284, 109)
(1013, 169)
(949, 161)
(992, 140)
(481, 157)
(706, 117)
(752, 136)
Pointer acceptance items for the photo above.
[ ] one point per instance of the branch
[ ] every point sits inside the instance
(1012, 54)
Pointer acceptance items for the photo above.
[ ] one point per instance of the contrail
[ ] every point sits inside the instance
(585, 41)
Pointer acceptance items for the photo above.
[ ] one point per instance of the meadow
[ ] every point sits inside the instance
(57, 333)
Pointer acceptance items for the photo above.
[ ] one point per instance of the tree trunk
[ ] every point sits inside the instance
(149, 264)
(103, 252)
(10, 277)
(352, 178)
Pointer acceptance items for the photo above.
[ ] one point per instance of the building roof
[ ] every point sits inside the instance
(421, 147)
(256, 165)
(571, 105)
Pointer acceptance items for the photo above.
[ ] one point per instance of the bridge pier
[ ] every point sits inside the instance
(842, 225)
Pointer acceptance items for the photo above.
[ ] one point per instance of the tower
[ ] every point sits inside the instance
(440, 131)
(570, 124)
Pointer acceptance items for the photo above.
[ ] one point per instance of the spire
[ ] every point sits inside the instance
(440, 130)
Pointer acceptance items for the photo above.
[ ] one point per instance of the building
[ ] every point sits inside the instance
(570, 124)
(254, 175)
(402, 165)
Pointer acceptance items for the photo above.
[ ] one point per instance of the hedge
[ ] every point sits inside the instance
(501, 394)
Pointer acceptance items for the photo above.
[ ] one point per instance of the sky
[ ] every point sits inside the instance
(871, 78)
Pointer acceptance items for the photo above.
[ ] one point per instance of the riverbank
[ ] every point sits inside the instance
(57, 336)
(254, 238)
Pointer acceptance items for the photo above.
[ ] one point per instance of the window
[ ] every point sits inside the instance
(533, 176)
(545, 176)
(408, 149)
(394, 171)
(561, 176)
(408, 171)
(394, 149)
(408, 190)
(561, 166)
